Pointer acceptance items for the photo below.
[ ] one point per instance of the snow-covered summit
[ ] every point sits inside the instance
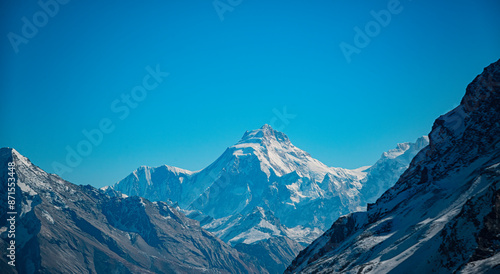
(265, 133)
(277, 154)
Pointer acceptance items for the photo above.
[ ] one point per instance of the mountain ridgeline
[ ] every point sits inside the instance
(442, 215)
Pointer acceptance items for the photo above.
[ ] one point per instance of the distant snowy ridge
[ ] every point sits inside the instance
(386, 171)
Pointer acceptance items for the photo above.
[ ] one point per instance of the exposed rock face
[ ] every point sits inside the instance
(442, 214)
(65, 228)
(273, 253)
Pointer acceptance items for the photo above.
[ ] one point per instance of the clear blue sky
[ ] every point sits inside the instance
(227, 76)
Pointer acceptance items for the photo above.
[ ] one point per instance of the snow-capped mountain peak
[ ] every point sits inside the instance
(277, 154)
(264, 134)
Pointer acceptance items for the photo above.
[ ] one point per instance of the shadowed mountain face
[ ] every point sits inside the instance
(443, 213)
(65, 228)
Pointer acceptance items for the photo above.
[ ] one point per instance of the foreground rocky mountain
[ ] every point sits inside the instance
(64, 228)
(443, 214)
(264, 193)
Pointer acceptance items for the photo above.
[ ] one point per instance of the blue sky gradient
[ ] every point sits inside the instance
(232, 75)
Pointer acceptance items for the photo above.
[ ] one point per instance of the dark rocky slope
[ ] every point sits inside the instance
(65, 228)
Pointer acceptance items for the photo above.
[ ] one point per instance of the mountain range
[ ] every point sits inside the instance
(64, 227)
(265, 189)
(265, 206)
